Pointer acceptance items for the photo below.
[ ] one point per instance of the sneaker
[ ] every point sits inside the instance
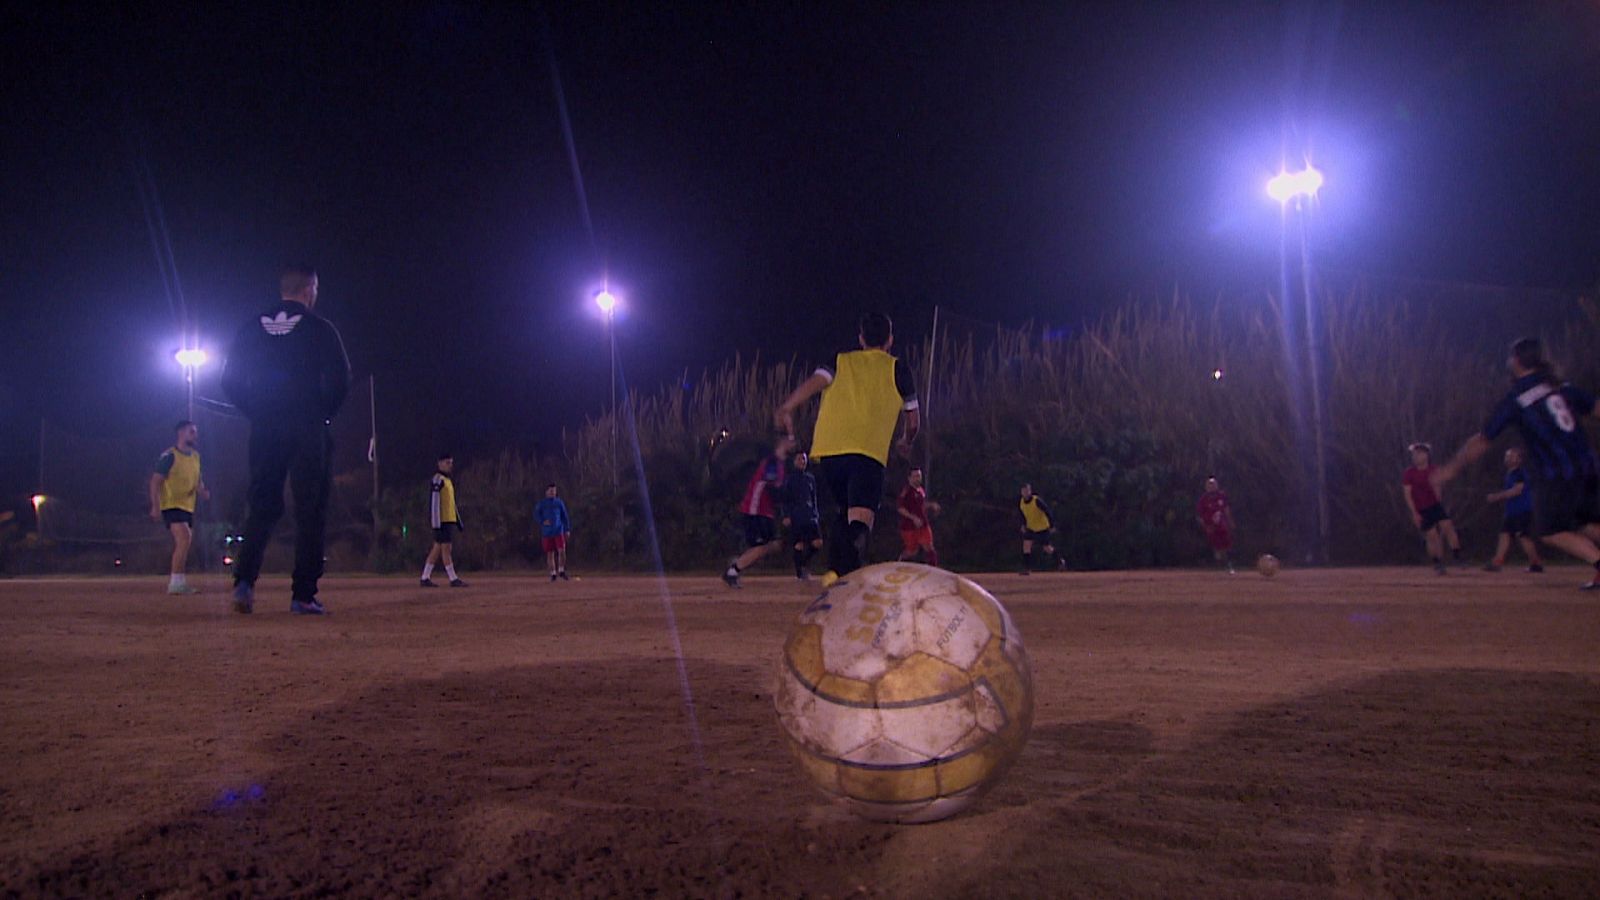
(1061, 565)
(731, 579)
(802, 576)
(1025, 572)
(1535, 568)
(563, 574)
(552, 577)
(307, 608)
(427, 582)
(1231, 571)
(182, 589)
(456, 582)
(1491, 567)
(1439, 569)
(1593, 585)
(244, 598)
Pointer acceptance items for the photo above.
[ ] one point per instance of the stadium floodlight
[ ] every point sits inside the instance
(190, 358)
(607, 302)
(38, 501)
(1216, 374)
(1286, 186)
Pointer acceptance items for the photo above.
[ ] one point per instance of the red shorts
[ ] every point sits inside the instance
(1219, 538)
(915, 540)
(554, 544)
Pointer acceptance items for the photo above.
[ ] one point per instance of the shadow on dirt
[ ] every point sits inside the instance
(584, 780)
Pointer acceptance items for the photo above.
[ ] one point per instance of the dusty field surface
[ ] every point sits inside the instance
(1324, 733)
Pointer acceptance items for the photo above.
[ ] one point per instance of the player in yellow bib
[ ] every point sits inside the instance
(863, 395)
(446, 522)
(175, 487)
(1037, 527)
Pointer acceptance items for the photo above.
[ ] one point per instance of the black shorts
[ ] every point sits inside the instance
(759, 531)
(177, 517)
(1432, 516)
(854, 480)
(446, 533)
(1518, 524)
(805, 532)
(1561, 504)
(1038, 537)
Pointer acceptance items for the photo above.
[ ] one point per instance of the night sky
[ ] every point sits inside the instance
(757, 175)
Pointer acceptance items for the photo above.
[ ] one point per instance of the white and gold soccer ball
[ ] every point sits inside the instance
(1267, 564)
(905, 692)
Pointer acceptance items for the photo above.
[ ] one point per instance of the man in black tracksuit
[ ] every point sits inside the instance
(288, 373)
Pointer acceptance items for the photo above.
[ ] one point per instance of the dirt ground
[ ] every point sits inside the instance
(1326, 733)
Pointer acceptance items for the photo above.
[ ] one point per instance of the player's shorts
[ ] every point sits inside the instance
(1432, 516)
(554, 543)
(805, 532)
(1037, 537)
(177, 517)
(445, 533)
(1220, 539)
(1518, 524)
(759, 531)
(1561, 504)
(854, 480)
(916, 539)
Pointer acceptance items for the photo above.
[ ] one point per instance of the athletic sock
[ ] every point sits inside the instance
(1027, 561)
(451, 571)
(860, 534)
(799, 562)
(427, 571)
(177, 580)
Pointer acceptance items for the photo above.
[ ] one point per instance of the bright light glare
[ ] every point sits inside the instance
(190, 358)
(38, 501)
(606, 300)
(1285, 186)
(1216, 374)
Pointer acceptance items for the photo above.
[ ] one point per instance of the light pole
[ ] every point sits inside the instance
(607, 302)
(1299, 189)
(191, 358)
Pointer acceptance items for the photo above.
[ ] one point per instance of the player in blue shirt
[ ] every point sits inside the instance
(555, 526)
(1565, 475)
(1518, 518)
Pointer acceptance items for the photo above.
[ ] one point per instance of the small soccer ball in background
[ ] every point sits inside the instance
(905, 692)
(1267, 564)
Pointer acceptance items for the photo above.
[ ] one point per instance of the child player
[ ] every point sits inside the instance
(800, 515)
(175, 486)
(1565, 476)
(1518, 517)
(555, 527)
(760, 510)
(1037, 526)
(1427, 513)
(446, 523)
(1216, 520)
(863, 395)
(916, 532)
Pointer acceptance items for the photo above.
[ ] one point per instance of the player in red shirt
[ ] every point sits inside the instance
(1427, 513)
(916, 531)
(759, 508)
(1216, 520)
